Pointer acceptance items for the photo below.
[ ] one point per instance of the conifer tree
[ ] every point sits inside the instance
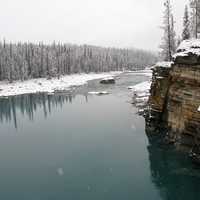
(186, 25)
(168, 45)
(195, 18)
(24, 61)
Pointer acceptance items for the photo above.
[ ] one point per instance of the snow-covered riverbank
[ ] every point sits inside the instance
(141, 90)
(143, 87)
(49, 86)
(145, 72)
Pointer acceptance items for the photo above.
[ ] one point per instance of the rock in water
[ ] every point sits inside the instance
(99, 93)
(109, 80)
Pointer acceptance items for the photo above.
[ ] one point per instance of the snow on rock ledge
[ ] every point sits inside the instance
(108, 80)
(192, 46)
(164, 64)
(188, 52)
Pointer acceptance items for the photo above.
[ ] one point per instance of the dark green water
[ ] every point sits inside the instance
(82, 147)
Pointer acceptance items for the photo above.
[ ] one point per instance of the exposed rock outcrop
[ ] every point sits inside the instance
(175, 98)
(159, 89)
(109, 80)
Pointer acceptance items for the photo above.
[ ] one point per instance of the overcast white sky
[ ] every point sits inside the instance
(118, 23)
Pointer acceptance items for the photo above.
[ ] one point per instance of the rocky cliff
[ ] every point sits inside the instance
(174, 102)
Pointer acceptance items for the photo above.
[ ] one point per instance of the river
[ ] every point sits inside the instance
(77, 146)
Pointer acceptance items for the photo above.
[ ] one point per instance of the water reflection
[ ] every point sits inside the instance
(28, 105)
(172, 172)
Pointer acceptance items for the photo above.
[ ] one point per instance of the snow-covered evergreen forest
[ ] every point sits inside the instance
(24, 61)
(190, 30)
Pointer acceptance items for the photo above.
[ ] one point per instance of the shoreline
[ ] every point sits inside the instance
(65, 83)
(42, 85)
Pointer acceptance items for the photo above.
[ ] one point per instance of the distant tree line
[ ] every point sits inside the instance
(24, 61)
(191, 27)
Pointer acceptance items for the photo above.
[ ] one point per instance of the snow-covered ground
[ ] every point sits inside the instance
(141, 93)
(141, 90)
(145, 72)
(49, 86)
(141, 87)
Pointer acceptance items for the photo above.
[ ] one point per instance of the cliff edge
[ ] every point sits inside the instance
(174, 102)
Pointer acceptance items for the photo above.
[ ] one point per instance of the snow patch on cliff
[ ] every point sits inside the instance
(164, 64)
(187, 47)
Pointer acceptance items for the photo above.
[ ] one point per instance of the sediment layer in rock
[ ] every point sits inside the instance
(175, 98)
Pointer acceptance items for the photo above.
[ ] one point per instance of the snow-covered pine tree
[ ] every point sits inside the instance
(24, 61)
(195, 18)
(173, 35)
(186, 25)
(178, 41)
(168, 45)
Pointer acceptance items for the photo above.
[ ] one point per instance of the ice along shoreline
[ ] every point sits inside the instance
(42, 85)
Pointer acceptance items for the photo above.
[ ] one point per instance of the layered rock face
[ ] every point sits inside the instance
(183, 101)
(159, 90)
(175, 99)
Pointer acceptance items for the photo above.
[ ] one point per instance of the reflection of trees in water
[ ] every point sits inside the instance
(173, 173)
(28, 104)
